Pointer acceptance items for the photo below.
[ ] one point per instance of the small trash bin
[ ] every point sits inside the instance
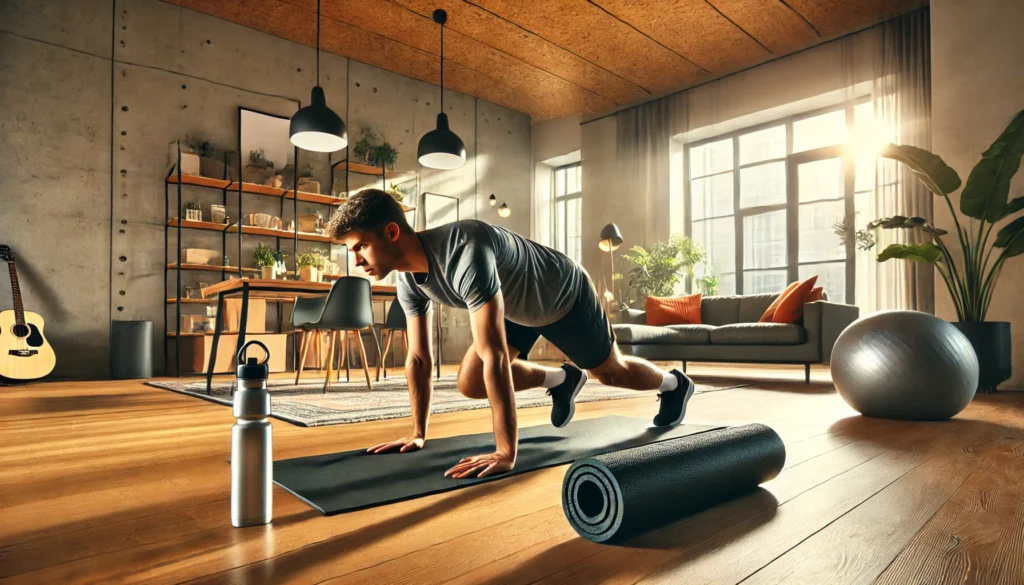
(131, 350)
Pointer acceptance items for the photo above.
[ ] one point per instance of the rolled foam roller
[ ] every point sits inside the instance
(612, 497)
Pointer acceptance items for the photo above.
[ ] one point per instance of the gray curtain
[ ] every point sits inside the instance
(902, 100)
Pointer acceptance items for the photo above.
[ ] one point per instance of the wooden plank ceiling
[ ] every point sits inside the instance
(551, 58)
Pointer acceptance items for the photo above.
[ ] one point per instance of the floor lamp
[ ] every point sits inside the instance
(611, 239)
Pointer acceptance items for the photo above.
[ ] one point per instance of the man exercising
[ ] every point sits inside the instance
(515, 290)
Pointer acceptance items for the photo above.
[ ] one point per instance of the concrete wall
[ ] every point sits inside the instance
(103, 86)
(977, 87)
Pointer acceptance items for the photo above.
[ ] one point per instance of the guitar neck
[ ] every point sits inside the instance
(19, 309)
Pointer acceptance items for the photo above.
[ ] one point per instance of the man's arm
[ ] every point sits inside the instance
(418, 366)
(488, 323)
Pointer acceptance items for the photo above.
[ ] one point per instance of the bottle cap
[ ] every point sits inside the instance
(252, 368)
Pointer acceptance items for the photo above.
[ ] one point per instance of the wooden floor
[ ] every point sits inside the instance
(104, 482)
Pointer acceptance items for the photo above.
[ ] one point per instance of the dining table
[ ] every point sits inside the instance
(271, 290)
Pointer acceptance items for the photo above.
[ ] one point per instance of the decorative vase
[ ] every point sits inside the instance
(309, 274)
(194, 215)
(268, 273)
(991, 342)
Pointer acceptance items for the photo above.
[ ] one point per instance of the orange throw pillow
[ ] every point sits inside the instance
(683, 310)
(770, 311)
(791, 309)
(817, 294)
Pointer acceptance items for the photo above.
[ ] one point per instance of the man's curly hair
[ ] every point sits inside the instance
(369, 210)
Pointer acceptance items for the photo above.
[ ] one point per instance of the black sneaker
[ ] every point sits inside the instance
(563, 396)
(673, 403)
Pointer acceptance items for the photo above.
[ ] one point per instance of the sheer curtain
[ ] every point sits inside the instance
(901, 94)
(885, 69)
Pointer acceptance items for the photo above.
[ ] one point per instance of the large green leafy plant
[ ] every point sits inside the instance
(970, 276)
(656, 272)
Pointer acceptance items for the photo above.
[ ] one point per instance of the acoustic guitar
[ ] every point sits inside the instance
(24, 353)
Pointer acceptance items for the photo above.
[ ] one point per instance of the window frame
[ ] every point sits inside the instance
(791, 205)
(560, 234)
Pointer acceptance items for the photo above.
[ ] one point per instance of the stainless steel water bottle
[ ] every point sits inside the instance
(251, 443)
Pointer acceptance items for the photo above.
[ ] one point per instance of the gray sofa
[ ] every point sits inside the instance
(730, 333)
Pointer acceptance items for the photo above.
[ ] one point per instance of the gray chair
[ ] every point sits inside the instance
(394, 321)
(349, 308)
(305, 311)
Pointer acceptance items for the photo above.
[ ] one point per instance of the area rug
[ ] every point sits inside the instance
(350, 402)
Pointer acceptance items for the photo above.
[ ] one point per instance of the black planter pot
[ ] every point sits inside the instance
(991, 341)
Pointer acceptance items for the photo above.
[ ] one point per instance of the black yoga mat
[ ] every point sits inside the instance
(611, 497)
(352, 480)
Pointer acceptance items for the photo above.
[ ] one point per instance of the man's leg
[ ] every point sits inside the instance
(585, 335)
(525, 375)
(633, 373)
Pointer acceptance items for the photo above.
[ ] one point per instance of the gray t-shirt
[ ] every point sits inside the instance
(471, 260)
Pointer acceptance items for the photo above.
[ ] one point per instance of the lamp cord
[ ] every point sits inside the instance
(442, 67)
(318, 42)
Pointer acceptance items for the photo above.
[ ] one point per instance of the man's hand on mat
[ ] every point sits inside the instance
(404, 445)
(481, 466)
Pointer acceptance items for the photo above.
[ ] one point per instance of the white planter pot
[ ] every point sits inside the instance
(269, 273)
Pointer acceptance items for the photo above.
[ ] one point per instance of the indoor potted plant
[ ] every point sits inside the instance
(369, 151)
(260, 169)
(972, 269)
(656, 273)
(266, 260)
(309, 266)
(306, 182)
(193, 211)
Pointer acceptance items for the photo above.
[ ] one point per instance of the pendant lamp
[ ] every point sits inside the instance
(441, 148)
(316, 127)
(492, 201)
(504, 210)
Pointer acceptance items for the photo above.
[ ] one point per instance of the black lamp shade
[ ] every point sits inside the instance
(611, 237)
(316, 127)
(441, 148)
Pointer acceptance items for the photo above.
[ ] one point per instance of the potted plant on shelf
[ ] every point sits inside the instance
(266, 260)
(309, 266)
(260, 169)
(972, 266)
(306, 182)
(193, 211)
(279, 266)
(373, 153)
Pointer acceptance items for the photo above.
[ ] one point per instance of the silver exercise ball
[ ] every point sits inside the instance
(904, 365)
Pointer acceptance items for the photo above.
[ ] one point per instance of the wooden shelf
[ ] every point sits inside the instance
(256, 189)
(198, 181)
(315, 198)
(248, 229)
(361, 169)
(212, 268)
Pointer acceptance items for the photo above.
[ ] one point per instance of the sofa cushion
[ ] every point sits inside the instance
(682, 310)
(752, 307)
(719, 310)
(758, 334)
(670, 335)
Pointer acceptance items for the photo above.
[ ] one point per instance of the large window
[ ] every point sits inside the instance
(567, 197)
(765, 201)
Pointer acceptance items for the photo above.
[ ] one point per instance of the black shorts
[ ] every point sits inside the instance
(584, 334)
